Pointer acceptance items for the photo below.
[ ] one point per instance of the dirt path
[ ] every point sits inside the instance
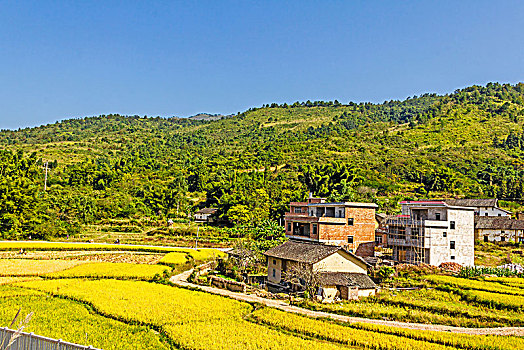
(181, 280)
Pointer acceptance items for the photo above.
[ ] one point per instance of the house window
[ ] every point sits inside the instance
(486, 214)
(274, 262)
(452, 225)
(453, 257)
(502, 239)
(298, 210)
(314, 229)
(350, 239)
(350, 221)
(437, 216)
(274, 273)
(485, 238)
(444, 234)
(500, 215)
(340, 214)
(289, 227)
(452, 244)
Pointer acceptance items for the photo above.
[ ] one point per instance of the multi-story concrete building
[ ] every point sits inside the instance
(432, 232)
(348, 224)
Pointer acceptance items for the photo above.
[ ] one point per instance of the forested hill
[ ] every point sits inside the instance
(251, 165)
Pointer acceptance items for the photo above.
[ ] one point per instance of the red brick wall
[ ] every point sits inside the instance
(362, 230)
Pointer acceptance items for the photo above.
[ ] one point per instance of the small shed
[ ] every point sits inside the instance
(499, 229)
(346, 285)
(205, 215)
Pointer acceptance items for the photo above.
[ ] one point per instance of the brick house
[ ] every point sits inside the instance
(348, 224)
(340, 273)
(432, 232)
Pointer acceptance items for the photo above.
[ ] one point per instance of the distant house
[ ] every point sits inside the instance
(340, 272)
(381, 229)
(483, 207)
(348, 224)
(205, 215)
(432, 232)
(499, 229)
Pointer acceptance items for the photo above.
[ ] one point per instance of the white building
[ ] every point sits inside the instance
(205, 215)
(483, 207)
(432, 232)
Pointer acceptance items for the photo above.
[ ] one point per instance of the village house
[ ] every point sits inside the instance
(205, 215)
(348, 224)
(499, 229)
(340, 273)
(483, 207)
(432, 232)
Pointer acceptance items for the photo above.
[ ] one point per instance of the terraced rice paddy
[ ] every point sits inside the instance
(115, 305)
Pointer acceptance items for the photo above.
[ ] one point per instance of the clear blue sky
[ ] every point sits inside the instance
(62, 59)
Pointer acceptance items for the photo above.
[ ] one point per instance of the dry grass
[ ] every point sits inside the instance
(9, 280)
(129, 258)
(26, 267)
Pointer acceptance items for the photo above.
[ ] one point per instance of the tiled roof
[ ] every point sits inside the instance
(350, 279)
(498, 223)
(489, 202)
(309, 253)
(207, 211)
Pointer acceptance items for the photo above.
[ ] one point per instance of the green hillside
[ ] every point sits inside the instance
(468, 143)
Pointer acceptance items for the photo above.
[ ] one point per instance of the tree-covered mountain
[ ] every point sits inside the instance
(251, 165)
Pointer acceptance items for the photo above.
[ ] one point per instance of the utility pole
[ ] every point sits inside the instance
(196, 241)
(45, 179)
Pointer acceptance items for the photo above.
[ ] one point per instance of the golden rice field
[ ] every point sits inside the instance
(487, 285)
(111, 270)
(65, 319)
(175, 258)
(508, 281)
(26, 267)
(115, 305)
(64, 246)
(206, 254)
(193, 320)
(381, 337)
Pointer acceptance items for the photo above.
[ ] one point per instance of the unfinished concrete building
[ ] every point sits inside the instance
(432, 232)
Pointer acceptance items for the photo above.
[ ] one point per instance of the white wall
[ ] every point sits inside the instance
(463, 235)
(496, 235)
(492, 211)
(274, 264)
(340, 262)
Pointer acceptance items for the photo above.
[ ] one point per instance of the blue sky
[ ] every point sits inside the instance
(63, 59)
